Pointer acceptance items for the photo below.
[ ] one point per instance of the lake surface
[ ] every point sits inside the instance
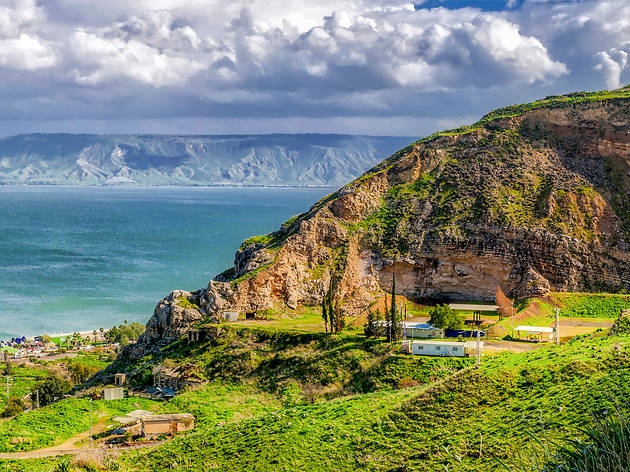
(76, 259)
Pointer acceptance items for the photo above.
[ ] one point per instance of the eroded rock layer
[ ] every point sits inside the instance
(534, 200)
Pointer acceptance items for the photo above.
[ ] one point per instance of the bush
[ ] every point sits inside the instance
(14, 407)
(50, 390)
(604, 448)
(81, 372)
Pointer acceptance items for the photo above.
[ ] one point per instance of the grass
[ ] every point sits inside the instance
(21, 380)
(587, 305)
(603, 448)
(555, 101)
(222, 403)
(468, 423)
(48, 464)
(53, 424)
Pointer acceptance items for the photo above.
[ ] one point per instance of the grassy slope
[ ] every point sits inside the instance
(582, 306)
(291, 363)
(553, 389)
(53, 424)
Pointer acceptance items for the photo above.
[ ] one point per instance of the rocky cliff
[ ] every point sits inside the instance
(532, 197)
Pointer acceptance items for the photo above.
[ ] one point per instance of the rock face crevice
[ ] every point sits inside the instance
(534, 202)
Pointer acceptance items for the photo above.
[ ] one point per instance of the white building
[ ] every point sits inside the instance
(230, 316)
(421, 330)
(445, 348)
(536, 333)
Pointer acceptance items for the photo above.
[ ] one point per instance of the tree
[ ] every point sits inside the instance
(45, 338)
(442, 316)
(124, 334)
(373, 325)
(81, 372)
(325, 315)
(15, 406)
(504, 303)
(50, 390)
(392, 317)
(339, 317)
(332, 313)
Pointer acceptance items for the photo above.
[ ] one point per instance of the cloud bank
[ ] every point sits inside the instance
(379, 66)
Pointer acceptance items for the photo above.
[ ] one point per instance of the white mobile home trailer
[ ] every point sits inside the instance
(422, 330)
(445, 348)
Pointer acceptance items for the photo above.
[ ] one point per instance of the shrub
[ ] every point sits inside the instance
(50, 390)
(604, 447)
(14, 407)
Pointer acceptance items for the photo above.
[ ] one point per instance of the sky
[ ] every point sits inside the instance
(384, 67)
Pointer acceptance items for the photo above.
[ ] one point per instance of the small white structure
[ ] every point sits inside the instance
(230, 316)
(534, 332)
(445, 348)
(113, 393)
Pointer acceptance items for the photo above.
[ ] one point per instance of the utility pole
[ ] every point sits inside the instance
(37, 395)
(478, 346)
(90, 423)
(7, 389)
(512, 317)
(557, 326)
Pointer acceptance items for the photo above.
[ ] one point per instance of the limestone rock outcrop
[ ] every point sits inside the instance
(534, 200)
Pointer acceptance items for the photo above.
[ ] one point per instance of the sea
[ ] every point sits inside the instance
(82, 258)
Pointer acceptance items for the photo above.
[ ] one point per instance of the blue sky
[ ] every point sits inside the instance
(257, 66)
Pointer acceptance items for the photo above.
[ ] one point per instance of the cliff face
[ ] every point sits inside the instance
(534, 198)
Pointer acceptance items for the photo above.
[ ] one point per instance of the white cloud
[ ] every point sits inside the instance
(612, 63)
(148, 49)
(283, 59)
(20, 46)
(26, 52)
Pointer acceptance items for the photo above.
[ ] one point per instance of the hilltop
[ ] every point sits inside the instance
(262, 160)
(532, 197)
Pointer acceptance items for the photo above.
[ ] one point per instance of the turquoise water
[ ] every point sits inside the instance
(76, 259)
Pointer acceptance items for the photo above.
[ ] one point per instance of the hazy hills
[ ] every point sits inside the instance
(278, 159)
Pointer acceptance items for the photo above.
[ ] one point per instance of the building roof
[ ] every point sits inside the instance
(132, 416)
(449, 343)
(185, 418)
(534, 329)
(417, 325)
(472, 307)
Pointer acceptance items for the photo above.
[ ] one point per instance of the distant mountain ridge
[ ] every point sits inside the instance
(274, 159)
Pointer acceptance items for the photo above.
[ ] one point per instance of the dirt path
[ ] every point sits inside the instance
(68, 447)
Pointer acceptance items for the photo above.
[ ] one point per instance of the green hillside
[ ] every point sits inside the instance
(548, 393)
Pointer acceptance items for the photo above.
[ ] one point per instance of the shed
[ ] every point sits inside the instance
(230, 316)
(113, 393)
(167, 424)
(445, 348)
(422, 330)
(203, 333)
(534, 332)
(120, 379)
